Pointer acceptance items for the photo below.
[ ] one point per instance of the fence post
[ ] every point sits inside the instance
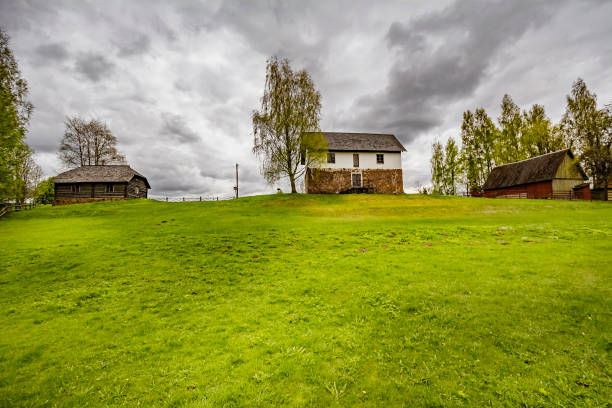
(200, 198)
(183, 199)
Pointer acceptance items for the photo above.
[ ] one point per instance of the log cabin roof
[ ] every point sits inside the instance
(364, 142)
(100, 174)
(534, 170)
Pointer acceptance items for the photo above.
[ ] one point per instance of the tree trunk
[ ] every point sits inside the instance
(292, 179)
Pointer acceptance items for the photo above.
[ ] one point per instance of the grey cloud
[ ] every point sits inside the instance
(140, 44)
(94, 66)
(441, 57)
(176, 127)
(53, 51)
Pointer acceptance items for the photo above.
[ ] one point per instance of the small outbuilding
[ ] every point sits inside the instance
(358, 163)
(553, 175)
(99, 183)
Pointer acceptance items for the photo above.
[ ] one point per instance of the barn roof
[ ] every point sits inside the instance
(364, 142)
(536, 169)
(99, 174)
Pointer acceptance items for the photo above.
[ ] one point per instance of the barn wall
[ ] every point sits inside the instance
(567, 176)
(335, 181)
(367, 160)
(565, 185)
(532, 190)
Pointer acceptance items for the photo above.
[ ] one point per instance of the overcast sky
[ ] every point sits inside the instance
(177, 81)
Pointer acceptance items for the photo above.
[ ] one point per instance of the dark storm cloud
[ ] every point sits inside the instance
(441, 57)
(53, 51)
(94, 66)
(177, 81)
(139, 44)
(177, 128)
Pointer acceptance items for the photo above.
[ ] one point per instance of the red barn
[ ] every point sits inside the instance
(552, 175)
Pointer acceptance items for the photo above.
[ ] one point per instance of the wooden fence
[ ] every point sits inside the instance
(182, 199)
(8, 207)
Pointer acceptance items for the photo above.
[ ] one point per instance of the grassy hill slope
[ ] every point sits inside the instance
(307, 301)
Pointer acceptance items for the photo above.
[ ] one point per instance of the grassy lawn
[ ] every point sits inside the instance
(308, 301)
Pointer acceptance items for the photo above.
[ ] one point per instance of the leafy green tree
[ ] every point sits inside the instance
(589, 130)
(508, 148)
(538, 136)
(15, 112)
(437, 168)
(452, 167)
(286, 128)
(486, 136)
(470, 154)
(45, 191)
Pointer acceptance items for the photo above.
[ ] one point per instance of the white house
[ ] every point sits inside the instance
(358, 163)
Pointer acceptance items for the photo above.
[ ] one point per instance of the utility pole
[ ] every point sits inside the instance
(236, 186)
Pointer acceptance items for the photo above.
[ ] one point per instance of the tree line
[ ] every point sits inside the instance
(585, 128)
(85, 142)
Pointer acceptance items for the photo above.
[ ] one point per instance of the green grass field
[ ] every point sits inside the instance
(308, 301)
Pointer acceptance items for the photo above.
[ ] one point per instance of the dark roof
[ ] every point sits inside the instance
(536, 169)
(99, 174)
(364, 142)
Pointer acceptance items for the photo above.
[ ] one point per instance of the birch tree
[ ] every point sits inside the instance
(286, 128)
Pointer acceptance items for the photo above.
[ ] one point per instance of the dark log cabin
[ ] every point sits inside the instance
(552, 175)
(99, 183)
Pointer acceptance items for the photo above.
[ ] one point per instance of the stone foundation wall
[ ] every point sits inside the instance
(64, 201)
(338, 181)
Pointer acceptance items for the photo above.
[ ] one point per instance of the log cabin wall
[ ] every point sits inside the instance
(137, 188)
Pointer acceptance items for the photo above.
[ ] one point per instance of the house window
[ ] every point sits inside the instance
(331, 157)
(110, 188)
(355, 160)
(380, 158)
(356, 179)
(75, 188)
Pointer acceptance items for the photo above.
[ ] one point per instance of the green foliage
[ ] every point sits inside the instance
(45, 191)
(286, 129)
(508, 148)
(445, 167)
(538, 136)
(302, 300)
(590, 131)
(437, 168)
(15, 111)
(478, 134)
(452, 166)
